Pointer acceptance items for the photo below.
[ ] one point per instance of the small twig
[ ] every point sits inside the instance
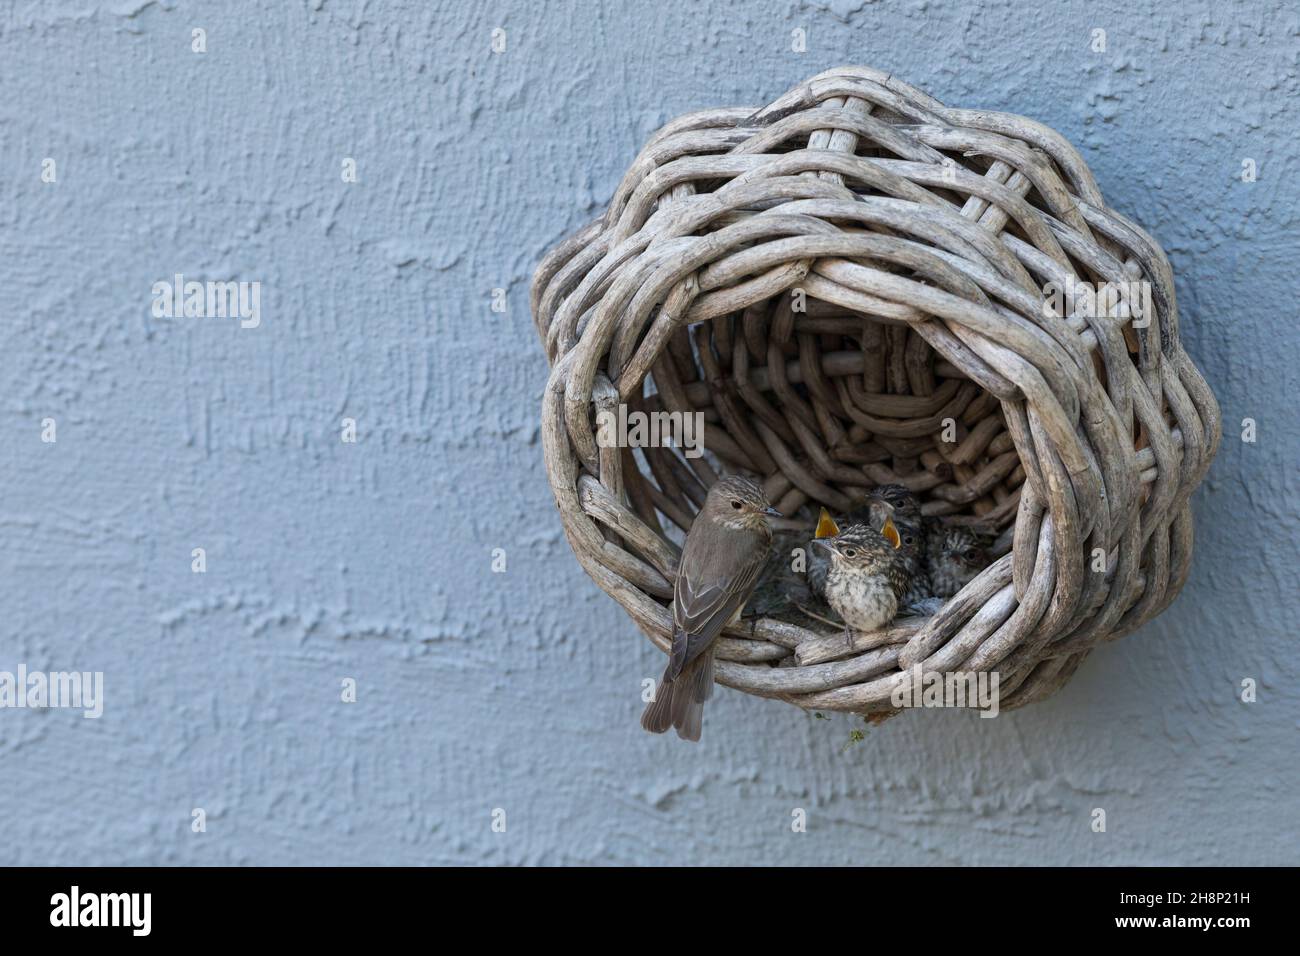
(838, 625)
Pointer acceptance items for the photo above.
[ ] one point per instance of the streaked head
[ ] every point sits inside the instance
(896, 496)
(962, 546)
(739, 503)
(896, 502)
(862, 548)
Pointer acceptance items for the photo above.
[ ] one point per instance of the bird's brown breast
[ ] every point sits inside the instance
(865, 599)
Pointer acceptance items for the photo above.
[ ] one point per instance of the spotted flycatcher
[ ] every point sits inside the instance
(725, 551)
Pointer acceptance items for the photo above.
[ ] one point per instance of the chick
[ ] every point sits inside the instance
(896, 503)
(900, 505)
(955, 554)
(866, 581)
(819, 560)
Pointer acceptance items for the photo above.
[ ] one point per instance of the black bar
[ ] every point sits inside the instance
(210, 905)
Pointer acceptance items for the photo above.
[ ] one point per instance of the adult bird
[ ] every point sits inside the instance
(726, 547)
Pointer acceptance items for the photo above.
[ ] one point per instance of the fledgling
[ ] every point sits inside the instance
(726, 548)
(955, 554)
(819, 560)
(896, 502)
(884, 501)
(866, 581)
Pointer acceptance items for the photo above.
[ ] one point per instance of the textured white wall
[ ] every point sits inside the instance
(372, 561)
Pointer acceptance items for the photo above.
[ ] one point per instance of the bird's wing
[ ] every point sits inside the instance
(703, 604)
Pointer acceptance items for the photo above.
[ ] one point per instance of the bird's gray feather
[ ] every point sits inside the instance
(717, 574)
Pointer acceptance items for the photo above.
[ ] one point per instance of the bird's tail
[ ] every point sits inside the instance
(680, 702)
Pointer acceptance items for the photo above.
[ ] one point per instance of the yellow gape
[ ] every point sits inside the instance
(826, 526)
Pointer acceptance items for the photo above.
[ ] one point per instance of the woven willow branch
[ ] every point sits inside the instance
(922, 242)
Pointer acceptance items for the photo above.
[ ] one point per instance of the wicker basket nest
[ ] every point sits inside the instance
(920, 242)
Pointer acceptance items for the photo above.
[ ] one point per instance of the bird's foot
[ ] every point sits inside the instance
(848, 636)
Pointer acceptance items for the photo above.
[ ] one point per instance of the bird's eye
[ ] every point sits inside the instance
(736, 505)
(908, 539)
(850, 553)
(969, 554)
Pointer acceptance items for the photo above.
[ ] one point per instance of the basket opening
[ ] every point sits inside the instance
(823, 404)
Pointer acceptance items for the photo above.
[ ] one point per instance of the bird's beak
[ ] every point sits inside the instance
(825, 544)
(826, 527)
(771, 512)
(891, 534)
